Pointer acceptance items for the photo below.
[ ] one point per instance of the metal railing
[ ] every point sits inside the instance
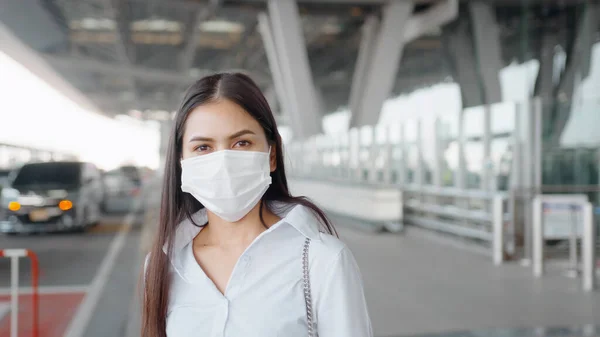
(477, 215)
(451, 166)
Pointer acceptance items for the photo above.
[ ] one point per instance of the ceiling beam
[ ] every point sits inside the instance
(438, 15)
(193, 33)
(141, 73)
(18, 50)
(122, 40)
(113, 106)
(247, 42)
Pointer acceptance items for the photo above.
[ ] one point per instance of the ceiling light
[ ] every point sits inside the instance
(93, 24)
(221, 26)
(156, 25)
(331, 29)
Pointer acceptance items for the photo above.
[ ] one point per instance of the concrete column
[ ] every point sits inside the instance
(459, 48)
(266, 33)
(577, 69)
(544, 88)
(296, 73)
(365, 53)
(461, 172)
(486, 39)
(438, 155)
(545, 81)
(385, 62)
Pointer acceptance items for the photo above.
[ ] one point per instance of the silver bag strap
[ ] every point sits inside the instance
(307, 291)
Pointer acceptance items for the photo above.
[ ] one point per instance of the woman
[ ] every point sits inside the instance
(236, 254)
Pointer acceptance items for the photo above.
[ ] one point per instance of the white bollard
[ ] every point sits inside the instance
(538, 238)
(498, 230)
(14, 255)
(588, 248)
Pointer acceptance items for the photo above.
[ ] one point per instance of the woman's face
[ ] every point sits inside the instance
(223, 125)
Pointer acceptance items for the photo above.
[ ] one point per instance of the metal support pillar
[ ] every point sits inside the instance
(531, 136)
(488, 164)
(384, 65)
(387, 155)
(538, 238)
(296, 72)
(436, 170)
(403, 155)
(588, 247)
(487, 48)
(537, 144)
(461, 170)
(419, 172)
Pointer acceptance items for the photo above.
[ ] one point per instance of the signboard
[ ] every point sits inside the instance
(560, 221)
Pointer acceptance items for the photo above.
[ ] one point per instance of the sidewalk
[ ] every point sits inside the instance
(149, 224)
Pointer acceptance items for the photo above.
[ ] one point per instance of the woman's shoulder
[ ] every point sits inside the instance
(323, 246)
(327, 250)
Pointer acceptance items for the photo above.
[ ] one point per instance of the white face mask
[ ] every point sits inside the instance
(228, 183)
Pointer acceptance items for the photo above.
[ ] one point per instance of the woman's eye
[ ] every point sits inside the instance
(242, 143)
(201, 148)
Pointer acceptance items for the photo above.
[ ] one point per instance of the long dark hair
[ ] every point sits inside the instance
(176, 205)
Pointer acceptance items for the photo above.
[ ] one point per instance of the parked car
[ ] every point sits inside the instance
(121, 191)
(133, 174)
(52, 196)
(4, 178)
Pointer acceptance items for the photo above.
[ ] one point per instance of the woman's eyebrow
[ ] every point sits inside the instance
(200, 139)
(233, 136)
(241, 133)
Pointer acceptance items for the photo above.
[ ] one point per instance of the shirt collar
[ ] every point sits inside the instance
(302, 218)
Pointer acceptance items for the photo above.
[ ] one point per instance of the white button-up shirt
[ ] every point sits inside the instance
(265, 296)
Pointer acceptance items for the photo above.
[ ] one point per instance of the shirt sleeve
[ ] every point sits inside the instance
(343, 309)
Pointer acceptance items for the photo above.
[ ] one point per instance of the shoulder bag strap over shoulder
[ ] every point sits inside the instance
(307, 291)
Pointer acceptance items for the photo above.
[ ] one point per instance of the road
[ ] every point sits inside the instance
(87, 280)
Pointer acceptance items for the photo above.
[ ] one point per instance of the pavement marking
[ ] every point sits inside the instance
(4, 309)
(82, 317)
(48, 290)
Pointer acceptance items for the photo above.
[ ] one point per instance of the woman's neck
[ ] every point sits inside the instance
(219, 232)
